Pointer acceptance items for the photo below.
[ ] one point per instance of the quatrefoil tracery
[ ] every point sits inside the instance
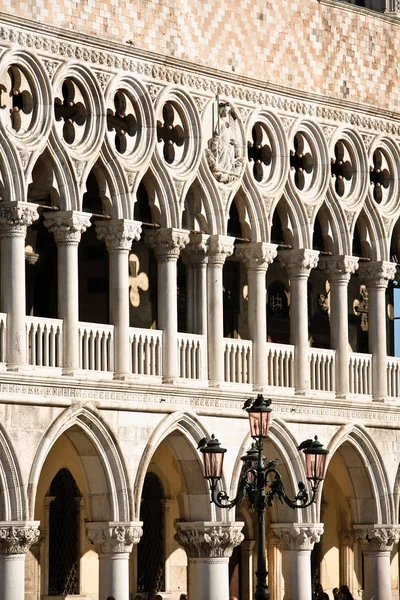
(171, 134)
(16, 96)
(342, 169)
(302, 162)
(380, 176)
(72, 110)
(259, 151)
(123, 121)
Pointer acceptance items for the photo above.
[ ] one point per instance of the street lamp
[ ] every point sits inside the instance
(260, 482)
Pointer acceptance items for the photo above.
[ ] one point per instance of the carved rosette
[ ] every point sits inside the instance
(118, 234)
(209, 540)
(67, 226)
(377, 538)
(17, 538)
(297, 536)
(220, 247)
(15, 217)
(196, 252)
(257, 256)
(339, 268)
(167, 243)
(299, 262)
(377, 274)
(113, 538)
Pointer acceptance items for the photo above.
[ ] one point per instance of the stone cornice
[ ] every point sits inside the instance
(134, 396)
(58, 44)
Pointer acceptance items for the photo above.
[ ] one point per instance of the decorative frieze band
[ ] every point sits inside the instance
(113, 538)
(209, 540)
(17, 538)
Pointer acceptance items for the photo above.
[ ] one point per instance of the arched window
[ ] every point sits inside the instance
(151, 557)
(64, 535)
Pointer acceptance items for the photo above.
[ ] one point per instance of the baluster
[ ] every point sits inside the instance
(146, 356)
(46, 341)
(276, 368)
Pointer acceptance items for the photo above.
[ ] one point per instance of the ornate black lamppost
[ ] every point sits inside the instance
(260, 482)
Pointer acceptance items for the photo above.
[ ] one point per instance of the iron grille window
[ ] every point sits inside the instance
(64, 536)
(151, 547)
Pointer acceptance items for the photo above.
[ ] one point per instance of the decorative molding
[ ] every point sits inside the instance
(209, 540)
(113, 538)
(17, 538)
(118, 234)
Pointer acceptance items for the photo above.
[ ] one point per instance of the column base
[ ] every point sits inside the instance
(385, 399)
(172, 380)
(301, 391)
(18, 368)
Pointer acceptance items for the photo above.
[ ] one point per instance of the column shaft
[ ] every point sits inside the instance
(12, 577)
(114, 576)
(14, 220)
(118, 236)
(220, 248)
(377, 542)
(377, 276)
(209, 578)
(67, 227)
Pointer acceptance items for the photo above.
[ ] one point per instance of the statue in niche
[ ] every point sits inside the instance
(361, 308)
(223, 152)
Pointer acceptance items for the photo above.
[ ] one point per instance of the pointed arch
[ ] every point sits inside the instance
(374, 239)
(363, 457)
(182, 426)
(12, 185)
(296, 229)
(114, 186)
(64, 175)
(334, 228)
(197, 211)
(90, 423)
(13, 500)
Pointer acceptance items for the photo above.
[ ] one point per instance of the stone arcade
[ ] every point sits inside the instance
(198, 204)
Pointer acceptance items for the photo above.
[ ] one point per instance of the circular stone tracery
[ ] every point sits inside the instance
(122, 122)
(171, 135)
(71, 111)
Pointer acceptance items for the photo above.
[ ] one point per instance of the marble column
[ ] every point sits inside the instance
(299, 264)
(167, 245)
(346, 560)
(220, 247)
(339, 270)
(257, 257)
(376, 276)
(195, 258)
(377, 543)
(113, 543)
(296, 542)
(15, 218)
(118, 235)
(67, 227)
(208, 547)
(15, 541)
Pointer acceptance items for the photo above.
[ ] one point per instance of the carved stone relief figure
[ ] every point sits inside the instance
(223, 152)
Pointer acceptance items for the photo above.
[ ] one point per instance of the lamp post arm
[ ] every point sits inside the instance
(221, 498)
(276, 488)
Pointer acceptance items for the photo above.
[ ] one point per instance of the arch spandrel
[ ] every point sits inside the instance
(90, 437)
(182, 432)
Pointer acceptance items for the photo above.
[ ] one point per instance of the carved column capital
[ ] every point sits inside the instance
(297, 536)
(347, 538)
(17, 537)
(339, 268)
(118, 234)
(113, 537)
(167, 243)
(209, 540)
(67, 226)
(196, 252)
(15, 217)
(377, 274)
(377, 538)
(299, 262)
(220, 247)
(256, 256)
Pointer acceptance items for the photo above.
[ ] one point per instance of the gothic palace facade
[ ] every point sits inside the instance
(198, 203)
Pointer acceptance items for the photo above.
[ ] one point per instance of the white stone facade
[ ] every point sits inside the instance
(174, 238)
